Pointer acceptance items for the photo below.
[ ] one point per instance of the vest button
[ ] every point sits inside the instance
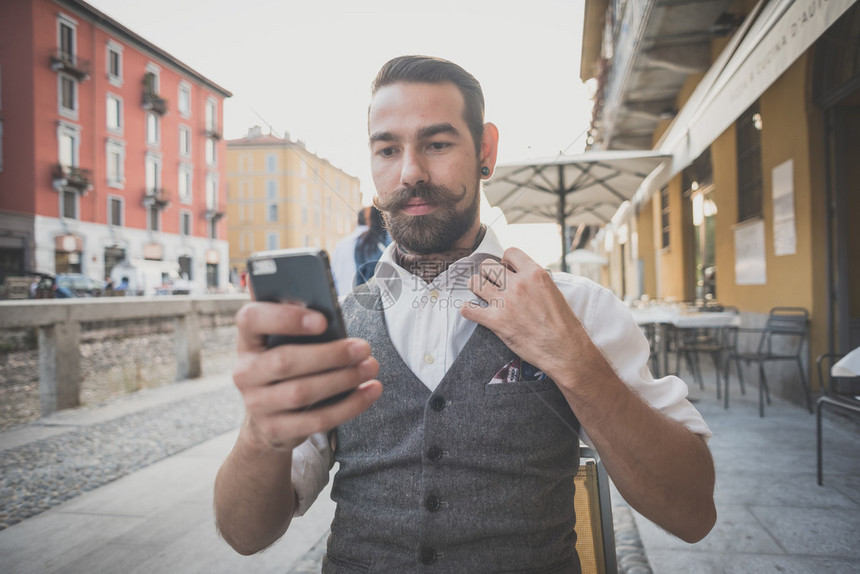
(427, 555)
(432, 503)
(434, 453)
(437, 403)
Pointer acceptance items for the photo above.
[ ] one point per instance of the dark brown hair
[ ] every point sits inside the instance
(430, 70)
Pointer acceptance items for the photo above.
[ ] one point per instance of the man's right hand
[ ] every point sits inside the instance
(279, 384)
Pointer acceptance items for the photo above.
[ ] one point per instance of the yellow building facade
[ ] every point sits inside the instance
(758, 207)
(280, 195)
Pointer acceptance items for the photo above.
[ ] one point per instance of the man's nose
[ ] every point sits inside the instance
(414, 170)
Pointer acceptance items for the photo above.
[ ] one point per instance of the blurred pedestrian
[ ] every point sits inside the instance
(343, 257)
(369, 247)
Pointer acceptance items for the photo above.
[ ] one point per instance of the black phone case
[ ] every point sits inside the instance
(300, 276)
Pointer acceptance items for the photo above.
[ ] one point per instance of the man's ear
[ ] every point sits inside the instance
(489, 148)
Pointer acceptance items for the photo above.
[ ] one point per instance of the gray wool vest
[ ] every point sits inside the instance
(474, 477)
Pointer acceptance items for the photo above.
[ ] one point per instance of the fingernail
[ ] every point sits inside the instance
(313, 322)
(357, 350)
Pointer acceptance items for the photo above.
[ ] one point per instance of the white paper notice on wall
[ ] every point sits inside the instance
(750, 268)
(784, 233)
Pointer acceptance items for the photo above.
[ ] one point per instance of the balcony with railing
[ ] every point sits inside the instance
(63, 61)
(214, 215)
(151, 100)
(71, 178)
(154, 102)
(156, 197)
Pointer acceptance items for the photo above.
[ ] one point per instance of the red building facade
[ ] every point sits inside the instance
(110, 149)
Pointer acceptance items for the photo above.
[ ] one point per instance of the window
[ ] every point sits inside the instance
(114, 64)
(68, 204)
(185, 188)
(750, 186)
(185, 222)
(184, 141)
(272, 200)
(68, 138)
(152, 79)
(114, 113)
(153, 218)
(211, 192)
(153, 173)
(115, 163)
(664, 217)
(115, 211)
(272, 241)
(271, 163)
(68, 96)
(184, 100)
(66, 41)
(210, 152)
(211, 115)
(153, 128)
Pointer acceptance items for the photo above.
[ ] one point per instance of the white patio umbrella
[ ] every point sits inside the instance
(569, 189)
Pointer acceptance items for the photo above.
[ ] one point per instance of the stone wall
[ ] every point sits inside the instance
(117, 357)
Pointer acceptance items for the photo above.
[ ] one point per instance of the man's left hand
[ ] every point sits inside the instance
(525, 310)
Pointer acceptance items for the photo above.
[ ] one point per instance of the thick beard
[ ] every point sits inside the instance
(435, 232)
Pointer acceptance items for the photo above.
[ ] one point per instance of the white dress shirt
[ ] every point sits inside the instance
(427, 330)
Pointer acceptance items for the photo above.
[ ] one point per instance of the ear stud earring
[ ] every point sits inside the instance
(485, 171)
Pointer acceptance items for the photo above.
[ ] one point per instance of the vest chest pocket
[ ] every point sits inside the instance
(519, 387)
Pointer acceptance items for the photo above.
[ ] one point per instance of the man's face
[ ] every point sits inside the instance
(424, 166)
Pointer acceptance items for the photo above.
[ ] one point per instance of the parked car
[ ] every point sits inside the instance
(79, 285)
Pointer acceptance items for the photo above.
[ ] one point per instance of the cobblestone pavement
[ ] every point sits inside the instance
(44, 473)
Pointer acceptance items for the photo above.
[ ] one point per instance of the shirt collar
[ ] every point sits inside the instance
(457, 273)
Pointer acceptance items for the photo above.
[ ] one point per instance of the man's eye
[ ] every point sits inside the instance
(387, 151)
(439, 146)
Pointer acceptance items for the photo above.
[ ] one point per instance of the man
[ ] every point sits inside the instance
(461, 453)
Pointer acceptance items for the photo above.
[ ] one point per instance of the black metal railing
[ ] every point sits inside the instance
(157, 197)
(63, 61)
(76, 178)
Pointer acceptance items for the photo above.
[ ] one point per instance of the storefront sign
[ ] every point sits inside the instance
(212, 256)
(153, 251)
(750, 265)
(68, 243)
(784, 232)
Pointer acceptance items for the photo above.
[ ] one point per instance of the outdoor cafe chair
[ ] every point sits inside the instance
(595, 530)
(781, 339)
(831, 396)
(712, 341)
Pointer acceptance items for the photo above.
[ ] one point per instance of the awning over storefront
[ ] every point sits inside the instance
(774, 35)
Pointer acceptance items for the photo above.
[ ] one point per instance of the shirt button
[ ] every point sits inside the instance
(427, 555)
(432, 503)
(434, 294)
(437, 403)
(434, 453)
(428, 358)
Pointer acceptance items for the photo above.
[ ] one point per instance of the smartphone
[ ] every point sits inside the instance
(301, 276)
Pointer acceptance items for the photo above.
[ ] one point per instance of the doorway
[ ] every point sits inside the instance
(836, 90)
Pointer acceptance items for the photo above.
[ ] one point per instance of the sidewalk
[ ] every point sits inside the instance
(772, 515)
(158, 516)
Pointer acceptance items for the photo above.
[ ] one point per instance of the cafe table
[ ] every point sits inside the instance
(662, 318)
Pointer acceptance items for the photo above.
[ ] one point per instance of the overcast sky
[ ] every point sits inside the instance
(306, 67)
